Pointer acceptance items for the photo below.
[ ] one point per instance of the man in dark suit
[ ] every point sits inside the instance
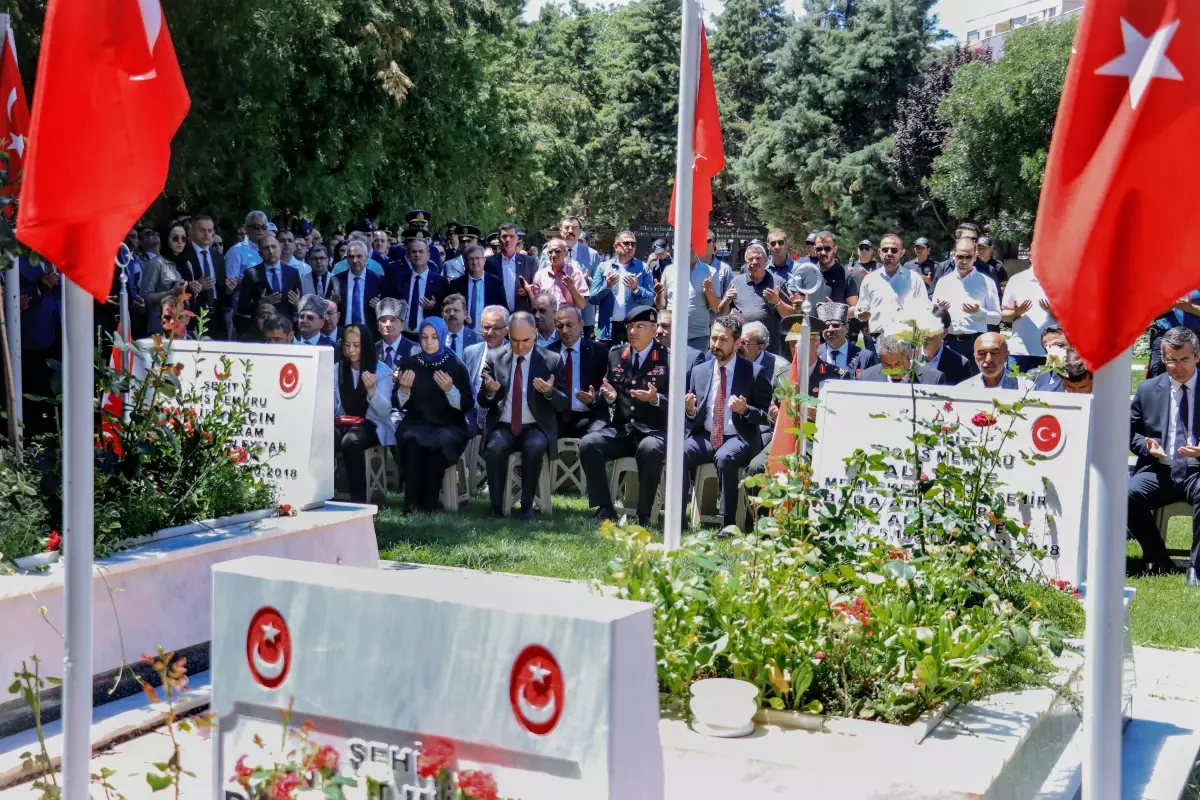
(363, 289)
(895, 357)
(522, 389)
(391, 346)
(848, 359)
(321, 282)
(585, 364)
(1163, 419)
(725, 407)
(953, 365)
(310, 317)
(662, 335)
(480, 288)
(514, 269)
(208, 269)
(272, 281)
(635, 387)
(458, 335)
(418, 285)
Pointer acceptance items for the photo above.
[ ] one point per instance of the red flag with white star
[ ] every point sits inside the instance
(14, 125)
(1122, 173)
(708, 151)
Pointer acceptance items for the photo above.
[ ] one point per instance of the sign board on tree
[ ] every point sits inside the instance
(548, 687)
(1050, 493)
(291, 408)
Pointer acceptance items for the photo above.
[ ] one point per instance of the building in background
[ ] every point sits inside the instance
(990, 30)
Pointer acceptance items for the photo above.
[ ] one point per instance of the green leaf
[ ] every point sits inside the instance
(812, 707)
(158, 782)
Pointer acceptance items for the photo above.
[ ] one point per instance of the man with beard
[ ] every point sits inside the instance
(725, 407)
(888, 291)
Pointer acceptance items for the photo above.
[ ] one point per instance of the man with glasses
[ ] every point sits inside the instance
(843, 287)
(310, 318)
(565, 281)
(847, 359)
(619, 285)
(1163, 422)
(752, 346)
(970, 297)
(244, 254)
(965, 230)
(495, 336)
(780, 264)
(923, 265)
(887, 292)
(514, 269)
(710, 258)
(480, 288)
(320, 281)
(466, 236)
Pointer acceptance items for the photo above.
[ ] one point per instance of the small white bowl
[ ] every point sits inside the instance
(723, 707)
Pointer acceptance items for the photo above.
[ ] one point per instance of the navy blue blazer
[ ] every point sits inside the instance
(857, 359)
(955, 366)
(402, 348)
(41, 321)
(493, 291)
(372, 288)
(749, 381)
(1149, 416)
(254, 287)
(593, 365)
(526, 268)
(398, 284)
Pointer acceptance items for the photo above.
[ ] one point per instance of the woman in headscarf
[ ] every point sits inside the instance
(362, 405)
(434, 390)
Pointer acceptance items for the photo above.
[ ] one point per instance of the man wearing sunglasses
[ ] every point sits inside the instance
(970, 297)
(780, 264)
(888, 291)
(840, 285)
(619, 285)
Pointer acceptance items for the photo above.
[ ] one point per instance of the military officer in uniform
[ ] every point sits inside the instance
(635, 387)
(466, 235)
(847, 359)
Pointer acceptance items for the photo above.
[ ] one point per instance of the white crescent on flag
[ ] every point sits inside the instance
(152, 20)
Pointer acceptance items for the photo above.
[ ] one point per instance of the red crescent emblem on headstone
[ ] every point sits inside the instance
(268, 648)
(1047, 434)
(289, 380)
(536, 690)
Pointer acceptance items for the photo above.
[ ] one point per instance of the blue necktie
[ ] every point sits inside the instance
(414, 303)
(273, 274)
(454, 343)
(1179, 464)
(474, 309)
(356, 302)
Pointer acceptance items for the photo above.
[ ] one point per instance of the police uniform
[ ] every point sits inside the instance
(638, 429)
(924, 268)
(467, 235)
(417, 220)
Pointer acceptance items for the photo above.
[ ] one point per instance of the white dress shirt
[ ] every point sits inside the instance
(1026, 339)
(886, 296)
(526, 414)
(1173, 418)
(714, 398)
(508, 266)
(974, 288)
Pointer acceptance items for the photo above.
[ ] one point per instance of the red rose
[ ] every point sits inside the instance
(243, 773)
(326, 758)
(54, 542)
(477, 784)
(899, 554)
(625, 353)
(983, 420)
(286, 786)
(436, 755)
(820, 655)
(948, 406)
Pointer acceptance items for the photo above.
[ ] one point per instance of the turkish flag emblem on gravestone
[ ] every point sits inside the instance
(536, 690)
(268, 648)
(289, 380)
(1047, 433)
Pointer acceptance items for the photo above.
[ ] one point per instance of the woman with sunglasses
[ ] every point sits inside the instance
(163, 274)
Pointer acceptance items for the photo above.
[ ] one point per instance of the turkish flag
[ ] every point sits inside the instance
(784, 440)
(109, 96)
(709, 152)
(1119, 179)
(15, 124)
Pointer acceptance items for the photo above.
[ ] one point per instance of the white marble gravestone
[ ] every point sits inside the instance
(552, 690)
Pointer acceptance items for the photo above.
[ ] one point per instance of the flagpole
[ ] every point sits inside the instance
(689, 72)
(78, 496)
(12, 324)
(1108, 489)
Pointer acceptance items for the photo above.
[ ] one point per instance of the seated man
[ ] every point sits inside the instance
(662, 335)
(391, 346)
(725, 406)
(954, 365)
(1076, 378)
(544, 309)
(310, 318)
(846, 357)
(1162, 429)
(895, 364)
(495, 336)
(635, 388)
(585, 363)
(458, 335)
(753, 347)
(991, 357)
(277, 330)
(522, 390)
(255, 333)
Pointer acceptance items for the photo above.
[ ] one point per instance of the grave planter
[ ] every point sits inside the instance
(159, 591)
(32, 562)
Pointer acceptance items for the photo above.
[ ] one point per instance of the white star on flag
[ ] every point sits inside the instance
(1144, 59)
(270, 632)
(18, 144)
(539, 673)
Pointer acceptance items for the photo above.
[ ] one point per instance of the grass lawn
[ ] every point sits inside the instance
(1166, 613)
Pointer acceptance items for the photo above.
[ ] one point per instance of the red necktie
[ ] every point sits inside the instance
(518, 385)
(570, 376)
(718, 423)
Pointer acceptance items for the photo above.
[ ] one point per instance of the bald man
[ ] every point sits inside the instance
(991, 357)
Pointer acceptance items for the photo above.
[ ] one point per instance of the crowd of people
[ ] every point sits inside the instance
(439, 341)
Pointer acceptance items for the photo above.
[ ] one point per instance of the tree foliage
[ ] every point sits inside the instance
(1000, 118)
(816, 158)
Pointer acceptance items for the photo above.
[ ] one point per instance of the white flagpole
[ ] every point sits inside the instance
(1108, 488)
(78, 496)
(12, 303)
(689, 72)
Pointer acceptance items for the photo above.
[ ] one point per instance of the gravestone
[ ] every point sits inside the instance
(1048, 493)
(551, 689)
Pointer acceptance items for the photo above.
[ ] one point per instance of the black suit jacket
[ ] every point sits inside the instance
(1149, 417)
(955, 366)
(637, 415)
(593, 366)
(432, 285)
(540, 363)
(216, 308)
(526, 268)
(372, 288)
(403, 347)
(749, 381)
(255, 287)
(493, 291)
(858, 360)
(925, 375)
